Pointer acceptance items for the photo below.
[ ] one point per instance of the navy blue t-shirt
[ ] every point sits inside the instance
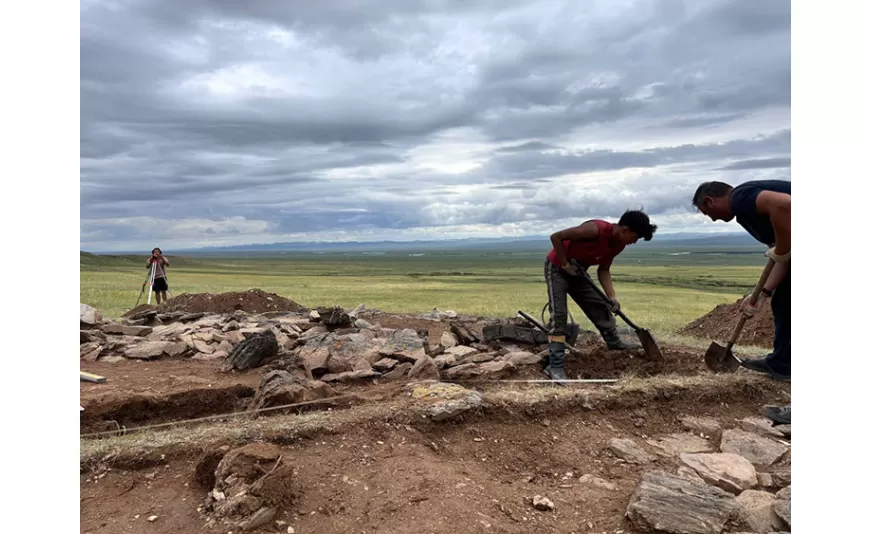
(743, 199)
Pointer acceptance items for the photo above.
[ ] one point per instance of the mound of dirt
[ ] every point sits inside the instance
(718, 325)
(251, 301)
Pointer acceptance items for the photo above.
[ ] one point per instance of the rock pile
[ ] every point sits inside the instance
(248, 487)
(331, 345)
(744, 487)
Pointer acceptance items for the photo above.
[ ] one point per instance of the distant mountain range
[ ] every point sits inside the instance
(506, 244)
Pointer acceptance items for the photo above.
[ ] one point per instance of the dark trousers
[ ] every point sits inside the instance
(559, 286)
(780, 359)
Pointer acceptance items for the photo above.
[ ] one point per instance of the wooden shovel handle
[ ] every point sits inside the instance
(753, 298)
(603, 295)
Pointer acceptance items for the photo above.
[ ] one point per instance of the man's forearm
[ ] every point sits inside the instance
(781, 222)
(606, 283)
(777, 275)
(560, 251)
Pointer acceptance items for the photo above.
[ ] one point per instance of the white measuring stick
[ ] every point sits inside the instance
(543, 381)
(151, 281)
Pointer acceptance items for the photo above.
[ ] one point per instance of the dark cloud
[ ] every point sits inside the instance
(260, 119)
(768, 163)
(538, 165)
(525, 147)
(701, 121)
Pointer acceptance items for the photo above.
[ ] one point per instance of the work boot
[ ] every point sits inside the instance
(760, 365)
(614, 342)
(779, 416)
(556, 363)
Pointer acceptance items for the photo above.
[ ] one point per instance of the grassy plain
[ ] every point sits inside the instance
(660, 289)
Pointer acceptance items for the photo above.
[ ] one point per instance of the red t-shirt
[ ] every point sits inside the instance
(598, 252)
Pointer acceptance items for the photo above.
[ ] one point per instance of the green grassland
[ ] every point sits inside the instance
(660, 289)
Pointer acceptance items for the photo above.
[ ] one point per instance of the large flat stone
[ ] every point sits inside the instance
(674, 444)
(89, 315)
(759, 450)
(782, 505)
(731, 472)
(761, 426)
(629, 451)
(351, 376)
(124, 330)
(149, 350)
(756, 511)
(665, 503)
(460, 351)
(405, 345)
(524, 358)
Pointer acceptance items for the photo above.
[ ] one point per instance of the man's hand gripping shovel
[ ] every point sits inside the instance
(720, 359)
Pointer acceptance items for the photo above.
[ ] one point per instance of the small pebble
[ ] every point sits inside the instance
(542, 503)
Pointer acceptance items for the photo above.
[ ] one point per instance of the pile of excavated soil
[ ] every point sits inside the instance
(718, 325)
(251, 301)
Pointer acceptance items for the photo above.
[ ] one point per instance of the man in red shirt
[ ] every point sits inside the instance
(594, 242)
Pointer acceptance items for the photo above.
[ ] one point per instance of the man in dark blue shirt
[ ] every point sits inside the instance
(762, 208)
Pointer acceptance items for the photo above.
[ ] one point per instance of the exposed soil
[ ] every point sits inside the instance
(251, 301)
(159, 377)
(140, 392)
(370, 467)
(718, 325)
(150, 392)
(382, 477)
(619, 364)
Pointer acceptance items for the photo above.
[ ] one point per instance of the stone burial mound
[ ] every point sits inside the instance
(334, 345)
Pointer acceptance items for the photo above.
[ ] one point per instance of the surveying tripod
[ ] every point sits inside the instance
(149, 281)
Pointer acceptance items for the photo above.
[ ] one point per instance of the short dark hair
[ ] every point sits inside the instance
(710, 189)
(157, 249)
(638, 222)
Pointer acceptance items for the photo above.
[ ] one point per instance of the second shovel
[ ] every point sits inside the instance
(720, 359)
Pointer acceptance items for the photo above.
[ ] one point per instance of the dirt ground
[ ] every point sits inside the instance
(478, 477)
(149, 392)
(475, 474)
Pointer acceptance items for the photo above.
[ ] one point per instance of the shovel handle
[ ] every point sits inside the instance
(752, 298)
(532, 320)
(541, 327)
(603, 295)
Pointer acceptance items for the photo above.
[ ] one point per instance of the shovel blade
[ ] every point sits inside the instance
(650, 347)
(719, 359)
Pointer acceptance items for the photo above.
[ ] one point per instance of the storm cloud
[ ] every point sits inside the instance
(261, 121)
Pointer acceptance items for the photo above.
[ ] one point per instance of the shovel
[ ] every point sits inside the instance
(542, 328)
(647, 341)
(720, 359)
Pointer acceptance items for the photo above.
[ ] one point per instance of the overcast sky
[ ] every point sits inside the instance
(208, 122)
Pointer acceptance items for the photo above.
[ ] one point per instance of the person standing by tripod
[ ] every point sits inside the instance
(159, 284)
